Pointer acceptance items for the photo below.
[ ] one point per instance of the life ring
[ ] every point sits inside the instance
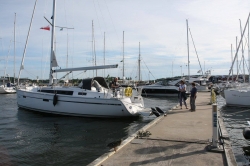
(128, 92)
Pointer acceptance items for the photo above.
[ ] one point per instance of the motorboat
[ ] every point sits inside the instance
(91, 98)
(162, 88)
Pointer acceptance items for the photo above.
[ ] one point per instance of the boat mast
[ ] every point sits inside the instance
(123, 76)
(51, 75)
(139, 63)
(67, 60)
(248, 56)
(188, 52)
(14, 48)
(236, 79)
(104, 54)
(232, 60)
(238, 46)
(24, 52)
(242, 50)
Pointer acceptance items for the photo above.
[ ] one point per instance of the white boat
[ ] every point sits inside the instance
(92, 98)
(162, 88)
(238, 97)
(84, 100)
(201, 82)
(7, 88)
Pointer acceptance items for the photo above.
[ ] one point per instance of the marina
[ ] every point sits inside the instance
(73, 137)
(107, 83)
(175, 142)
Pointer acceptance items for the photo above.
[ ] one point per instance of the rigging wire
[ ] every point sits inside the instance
(111, 19)
(195, 51)
(148, 69)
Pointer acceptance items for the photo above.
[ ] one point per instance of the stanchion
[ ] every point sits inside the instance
(214, 146)
(215, 126)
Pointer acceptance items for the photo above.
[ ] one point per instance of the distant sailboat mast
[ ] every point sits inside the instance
(242, 50)
(188, 52)
(104, 54)
(123, 75)
(93, 49)
(14, 48)
(238, 46)
(248, 56)
(139, 63)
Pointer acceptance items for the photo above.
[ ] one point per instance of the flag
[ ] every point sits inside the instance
(46, 28)
(61, 29)
(198, 71)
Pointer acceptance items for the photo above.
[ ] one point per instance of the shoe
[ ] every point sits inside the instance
(181, 107)
(186, 107)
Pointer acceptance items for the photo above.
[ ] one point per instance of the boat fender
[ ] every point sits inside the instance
(128, 91)
(153, 111)
(55, 99)
(246, 133)
(160, 111)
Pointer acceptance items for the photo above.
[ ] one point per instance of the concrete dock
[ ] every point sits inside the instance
(180, 138)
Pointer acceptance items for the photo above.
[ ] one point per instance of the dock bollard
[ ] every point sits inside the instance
(215, 126)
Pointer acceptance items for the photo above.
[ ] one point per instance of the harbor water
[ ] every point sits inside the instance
(235, 120)
(32, 138)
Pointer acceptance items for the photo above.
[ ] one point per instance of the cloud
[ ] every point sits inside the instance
(159, 26)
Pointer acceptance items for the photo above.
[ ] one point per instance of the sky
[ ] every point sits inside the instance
(160, 26)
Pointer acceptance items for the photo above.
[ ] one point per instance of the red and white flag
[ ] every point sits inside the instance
(46, 28)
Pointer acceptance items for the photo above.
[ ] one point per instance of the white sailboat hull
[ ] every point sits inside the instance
(236, 97)
(6, 90)
(78, 105)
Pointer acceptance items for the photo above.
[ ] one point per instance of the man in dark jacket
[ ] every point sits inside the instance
(193, 94)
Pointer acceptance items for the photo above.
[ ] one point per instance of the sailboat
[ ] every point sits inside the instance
(92, 97)
(8, 87)
(239, 96)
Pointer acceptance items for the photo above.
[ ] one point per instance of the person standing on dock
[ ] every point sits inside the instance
(182, 94)
(193, 93)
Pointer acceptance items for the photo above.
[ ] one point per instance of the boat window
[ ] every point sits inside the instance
(82, 93)
(62, 92)
(46, 100)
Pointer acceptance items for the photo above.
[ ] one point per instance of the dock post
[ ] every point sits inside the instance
(215, 126)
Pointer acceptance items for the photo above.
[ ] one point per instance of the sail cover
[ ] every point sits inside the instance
(54, 61)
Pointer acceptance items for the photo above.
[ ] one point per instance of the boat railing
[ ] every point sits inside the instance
(122, 92)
